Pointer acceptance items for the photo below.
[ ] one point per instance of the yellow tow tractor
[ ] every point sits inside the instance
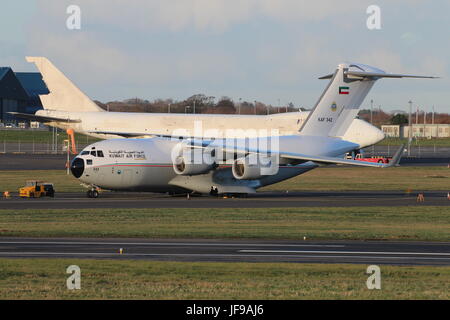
(37, 189)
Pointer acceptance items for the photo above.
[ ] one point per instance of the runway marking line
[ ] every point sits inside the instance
(173, 244)
(350, 252)
(211, 255)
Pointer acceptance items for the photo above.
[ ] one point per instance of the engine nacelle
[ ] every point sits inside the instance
(193, 161)
(253, 167)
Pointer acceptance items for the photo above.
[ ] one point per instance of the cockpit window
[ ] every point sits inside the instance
(94, 153)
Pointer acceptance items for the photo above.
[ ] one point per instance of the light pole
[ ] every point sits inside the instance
(169, 108)
(53, 139)
(371, 111)
(68, 157)
(417, 115)
(424, 122)
(255, 106)
(409, 129)
(240, 103)
(432, 117)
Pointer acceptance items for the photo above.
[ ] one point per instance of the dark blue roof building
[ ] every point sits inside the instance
(19, 92)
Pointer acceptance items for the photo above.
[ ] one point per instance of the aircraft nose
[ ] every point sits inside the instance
(379, 135)
(77, 167)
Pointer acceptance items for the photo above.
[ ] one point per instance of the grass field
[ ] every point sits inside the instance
(40, 136)
(113, 279)
(360, 179)
(321, 179)
(382, 223)
(13, 180)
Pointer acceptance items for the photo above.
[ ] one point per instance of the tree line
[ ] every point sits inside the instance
(198, 103)
(203, 104)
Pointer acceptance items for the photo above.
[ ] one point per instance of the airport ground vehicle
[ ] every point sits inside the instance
(361, 157)
(37, 189)
(378, 159)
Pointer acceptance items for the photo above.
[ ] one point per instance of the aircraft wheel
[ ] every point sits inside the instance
(94, 194)
(89, 194)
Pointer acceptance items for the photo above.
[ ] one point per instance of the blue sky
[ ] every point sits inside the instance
(265, 50)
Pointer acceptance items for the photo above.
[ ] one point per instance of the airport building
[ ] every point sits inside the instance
(19, 92)
(418, 131)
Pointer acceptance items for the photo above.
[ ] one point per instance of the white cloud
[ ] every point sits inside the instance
(122, 43)
(204, 15)
(93, 64)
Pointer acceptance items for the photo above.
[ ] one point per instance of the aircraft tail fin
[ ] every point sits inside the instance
(64, 95)
(340, 102)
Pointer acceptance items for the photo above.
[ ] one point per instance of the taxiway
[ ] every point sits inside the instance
(364, 252)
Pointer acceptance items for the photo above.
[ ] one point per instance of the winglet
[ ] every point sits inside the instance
(396, 158)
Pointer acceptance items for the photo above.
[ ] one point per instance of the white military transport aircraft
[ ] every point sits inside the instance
(67, 107)
(232, 165)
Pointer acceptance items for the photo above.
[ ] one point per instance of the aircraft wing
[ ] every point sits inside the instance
(124, 134)
(294, 156)
(150, 134)
(333, 160)
(34, 117)
(198, 142)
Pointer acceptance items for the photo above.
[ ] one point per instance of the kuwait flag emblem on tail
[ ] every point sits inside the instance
(344, 90)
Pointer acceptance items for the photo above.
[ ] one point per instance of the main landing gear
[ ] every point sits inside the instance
(93, 193)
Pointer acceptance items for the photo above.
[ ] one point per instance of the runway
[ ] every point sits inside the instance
(355, 252)
(29, 161)
(109, 200)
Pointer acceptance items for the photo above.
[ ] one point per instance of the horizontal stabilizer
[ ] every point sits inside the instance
(339, 104)
(377, 75)
(43, 119)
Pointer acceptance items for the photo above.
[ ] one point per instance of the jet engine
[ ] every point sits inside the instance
(253, 167)
(194, 161)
